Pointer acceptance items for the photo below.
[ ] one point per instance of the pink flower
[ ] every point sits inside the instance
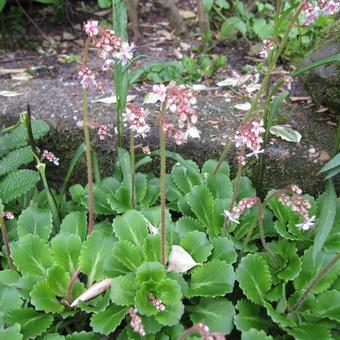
(238, 210)
(91, 27)
(136, 322)
(146, 150)
(87, 78)
(8, 215)
(136, 119)
(159, 91)
(156, 302)
(125, 53)
(288, 80)
(299, 205)
(268, 46)
(51, 157)
(249, 136)
(102, 131)
(330, 8)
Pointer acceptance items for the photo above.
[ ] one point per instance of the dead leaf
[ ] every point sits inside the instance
(298, 99)
(10, 93)
(111, 100)
(286, 133)
(180, 261)
(68, 36)
(11, 70)
(243, 106)
(187, 14)
(22, 76)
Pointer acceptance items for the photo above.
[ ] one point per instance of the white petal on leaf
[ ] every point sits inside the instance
(180, 261)
(243, 107)
(286, 133)
(151, 98)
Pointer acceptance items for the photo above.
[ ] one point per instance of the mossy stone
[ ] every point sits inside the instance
(323, 83)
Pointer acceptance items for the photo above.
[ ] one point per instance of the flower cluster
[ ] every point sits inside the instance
(8, 215)
(249, 136)
(267, 47)
(136, 322)
(179, 101)
(110, 47)
(242, 206)
(156, 302)
(102, 131)
(299, 205)
(203, 330)
(322, 7)
(50, 157)
(135, 117)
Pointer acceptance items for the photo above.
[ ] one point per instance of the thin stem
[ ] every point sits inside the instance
(133, 170)
(71, 285)
(337, 140)
(263, 237)
(235, 191)
(6, 242)
(88, 146)
(51, 201)
(311, 285)
(263, 85)
(162, 180)
(28, 125)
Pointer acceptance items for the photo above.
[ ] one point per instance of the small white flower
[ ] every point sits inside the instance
(231, 217)
(192, 132)
(91, 27)
(125, 53)
(307, 224)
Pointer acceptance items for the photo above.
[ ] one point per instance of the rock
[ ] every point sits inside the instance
(323, 83)
(59, 104)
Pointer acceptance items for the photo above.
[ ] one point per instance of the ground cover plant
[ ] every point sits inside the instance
(189, 254)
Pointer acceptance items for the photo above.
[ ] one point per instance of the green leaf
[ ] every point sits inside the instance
(131, 227)
(280, 319)
(152, 248)
(246, 189)
(123, 290)
(127, 254)
(220, 186)
(75, 223)
(9, 277)
(93, 253)
(327, 207)
(82, 336)
(216, 313)
(12, 333)
(15, 159)
(35, 221)
(43, 298)
(202, 204)
(254, 277)
(286, 253)
(310, 270)
(121, 200)
(58, 280)
(66, 250)
(9, 299)
(101, 204)
(184, 178)
(32, 322)
(17, 183)
(210, 165)
(214, 278)
(309, 331)
(150, 271)
(171, 315)
(249, 317)
(197, 245)
(186, 224)
(231, 26)
(32, 255)
(107, 321)
(125, 165)
(327, 305)
(141, 187)
(18, 137)
(53, 336)
(223, 250)
(254, 334)
(152, 193)
(331, 164)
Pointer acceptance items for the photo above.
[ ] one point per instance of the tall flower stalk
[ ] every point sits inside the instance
(5, 240)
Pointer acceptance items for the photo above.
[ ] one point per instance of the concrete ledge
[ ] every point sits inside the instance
(60, 105)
